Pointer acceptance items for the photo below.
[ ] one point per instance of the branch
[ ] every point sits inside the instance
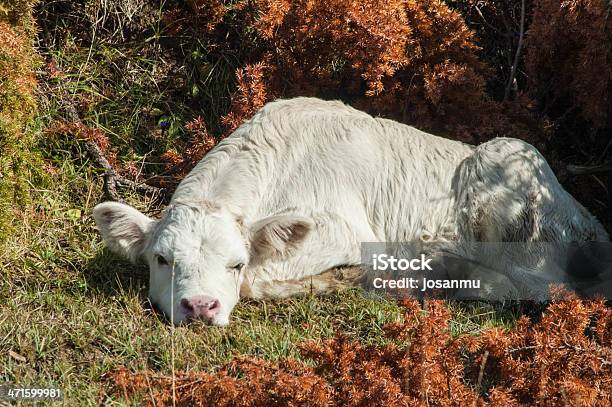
(517, 56)
(482, 368)
(491, 26)
(585, 170)
(112, 180)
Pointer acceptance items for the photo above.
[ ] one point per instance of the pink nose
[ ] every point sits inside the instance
(201, 306)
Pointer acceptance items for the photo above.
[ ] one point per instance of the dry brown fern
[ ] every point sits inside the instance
(563, 359)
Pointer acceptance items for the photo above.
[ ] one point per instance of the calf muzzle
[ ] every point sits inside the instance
(201, 307)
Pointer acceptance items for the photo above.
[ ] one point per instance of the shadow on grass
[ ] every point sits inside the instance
(112, 276)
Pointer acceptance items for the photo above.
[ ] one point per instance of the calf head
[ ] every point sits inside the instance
(197, 254)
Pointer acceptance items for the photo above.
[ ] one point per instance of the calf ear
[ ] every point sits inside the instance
(123, 228)
(278, 236)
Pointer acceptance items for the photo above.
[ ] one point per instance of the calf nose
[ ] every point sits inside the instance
(201, 306)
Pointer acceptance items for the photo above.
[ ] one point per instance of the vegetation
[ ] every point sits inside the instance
(18, 161)
(155, 85)
(561, 360)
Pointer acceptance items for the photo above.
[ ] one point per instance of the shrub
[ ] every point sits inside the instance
(419, 62)
(569, 49)
(17, 108)
(563, 359)
(412, 61)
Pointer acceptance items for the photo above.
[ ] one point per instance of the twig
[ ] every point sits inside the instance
(491, 26)
(150, 389)
(564, 345)
(112, 180)
(172, 336)
(482, 368)
(605, 150)
(517, 56)
(523, 348)
(592, 169)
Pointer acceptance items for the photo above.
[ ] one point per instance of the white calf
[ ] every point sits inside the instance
(296, 189)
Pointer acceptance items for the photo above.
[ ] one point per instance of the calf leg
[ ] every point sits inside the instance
(313, 268)
(325, 282)
(507, 192)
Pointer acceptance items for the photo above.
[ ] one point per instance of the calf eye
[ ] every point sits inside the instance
(161, 260)
(238, 267)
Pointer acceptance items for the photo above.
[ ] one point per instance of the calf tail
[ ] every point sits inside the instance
(326, 282)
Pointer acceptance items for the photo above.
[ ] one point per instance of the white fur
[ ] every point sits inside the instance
(296, 189)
